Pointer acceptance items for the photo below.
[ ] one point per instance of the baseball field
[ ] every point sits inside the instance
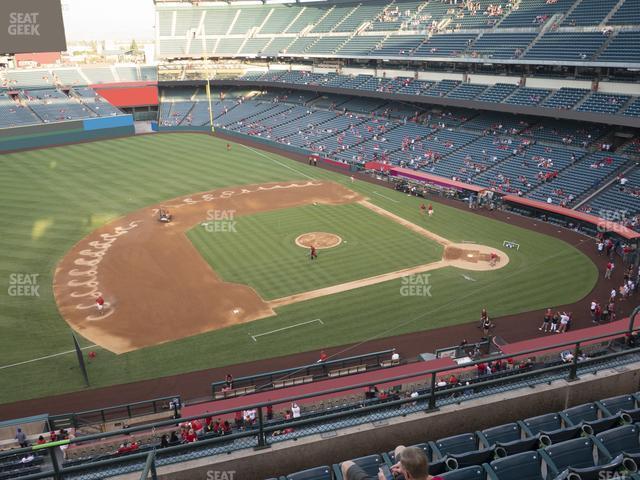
(243, 261)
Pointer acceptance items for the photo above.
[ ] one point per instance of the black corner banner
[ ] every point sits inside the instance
(31, 26)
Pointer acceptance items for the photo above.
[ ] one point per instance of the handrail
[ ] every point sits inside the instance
(105, 411)
(261, 430)
(426, 373)
(303, 368)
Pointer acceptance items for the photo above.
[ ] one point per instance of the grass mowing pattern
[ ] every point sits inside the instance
(52, 198)
(262, 252)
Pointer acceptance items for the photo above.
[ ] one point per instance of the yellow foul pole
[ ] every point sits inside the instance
(210, 105)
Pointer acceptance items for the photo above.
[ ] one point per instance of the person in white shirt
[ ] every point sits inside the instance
(564, 322)
(295, 410)
(395, 357)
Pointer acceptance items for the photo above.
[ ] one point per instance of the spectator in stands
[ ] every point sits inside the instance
(21, 437)
(173, 439)
(269, 412)
(229, 381)
(127, 447)
(164, 441)
(41, 440)
(412, 464)
(226, 428)
(295, 410)
(323, 356)
(239, 420)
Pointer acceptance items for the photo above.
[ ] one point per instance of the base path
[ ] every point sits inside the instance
(145, 269)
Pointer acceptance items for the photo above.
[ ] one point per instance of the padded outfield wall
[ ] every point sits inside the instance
(73, 131)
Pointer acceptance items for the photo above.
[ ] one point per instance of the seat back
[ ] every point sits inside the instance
(470, 473)
(370, 464)
(582, 413)
(620, 439)
(318, 473)
(457, 444)
(508, 432)
(614, 405)
(469, 459)
(521, 466)
(547, 422)
(572, 453)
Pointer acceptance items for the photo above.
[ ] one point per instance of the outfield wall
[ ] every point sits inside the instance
(59, 133)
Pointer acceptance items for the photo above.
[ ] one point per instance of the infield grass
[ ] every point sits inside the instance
(52, 198)
(262, 252)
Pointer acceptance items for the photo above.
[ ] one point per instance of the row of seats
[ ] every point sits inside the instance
(489, 149)
(586, 441)
(575, 46)
(565, 98)
(32, 107)
(76, 76)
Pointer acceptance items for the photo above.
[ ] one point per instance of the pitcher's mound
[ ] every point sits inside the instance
(320, 240)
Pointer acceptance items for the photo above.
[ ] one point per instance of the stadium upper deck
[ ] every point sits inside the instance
(567, 32)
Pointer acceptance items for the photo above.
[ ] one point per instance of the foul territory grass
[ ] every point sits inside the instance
(53, 198)
(261, 250)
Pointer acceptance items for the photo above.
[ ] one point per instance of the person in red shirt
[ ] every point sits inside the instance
(288, 416)
(323, 356)
(100, 303)
(314, 253)
(191, 436)
(196, 425)
(41, 440)
(423, 209)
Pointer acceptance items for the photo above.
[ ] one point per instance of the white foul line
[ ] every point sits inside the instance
(384, 196)
(276, 161)
(253, 337)
(42, 358)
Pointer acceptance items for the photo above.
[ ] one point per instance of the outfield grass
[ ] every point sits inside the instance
(52, 198)
(262, 251)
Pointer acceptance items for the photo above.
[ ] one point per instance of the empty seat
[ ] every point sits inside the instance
(522, 466)
(502, 433)
(621, 440)
(457, 444)
(579, 456)
(469, 473)
(590, 417)
(318, 473)
(547, 422)
(615, 405)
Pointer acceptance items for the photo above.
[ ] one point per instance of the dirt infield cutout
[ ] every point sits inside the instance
(145, 269)
(320, 240)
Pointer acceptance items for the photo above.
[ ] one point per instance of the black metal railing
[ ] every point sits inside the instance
(113, 413)
(267, 381)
